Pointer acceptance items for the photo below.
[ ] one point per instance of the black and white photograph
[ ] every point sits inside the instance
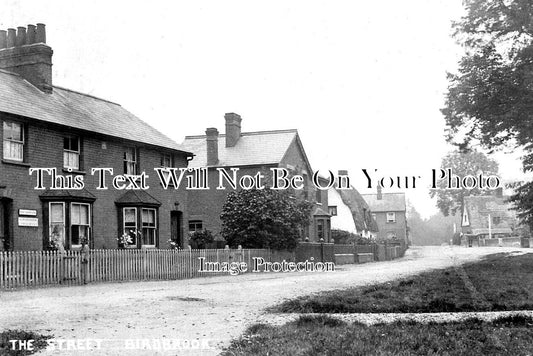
(266, 178)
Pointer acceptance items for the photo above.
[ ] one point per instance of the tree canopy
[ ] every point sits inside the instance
(490, 100)
(264, 219)
(450, 201)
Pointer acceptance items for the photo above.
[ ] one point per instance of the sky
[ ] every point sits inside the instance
(363, 82)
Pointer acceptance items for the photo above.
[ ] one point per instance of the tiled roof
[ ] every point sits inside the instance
(252, 148)
(137, 197)
(389, 202)
(76, 110)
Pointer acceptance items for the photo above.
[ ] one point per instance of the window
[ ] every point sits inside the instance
(496, 220)
(320, 229)
(130, 161)
(148, 227)
(391, 235)
(130, 224)
(79, 223)
(71, 152)
(374, 216)
(318, 196)
(332, 210)
(306, 186)
(391, 217)
(142, 229)
(57, 224)
(13, 141)
(195, 225)
(166, 161)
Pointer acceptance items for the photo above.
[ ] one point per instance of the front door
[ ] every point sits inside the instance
(4, 225)
(175, 227)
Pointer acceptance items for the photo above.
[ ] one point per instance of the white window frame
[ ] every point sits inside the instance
(154, 228)
(391, 214)
(50, 220)
(134, 245)
(11, 141)
(71, 153)
(88, 221)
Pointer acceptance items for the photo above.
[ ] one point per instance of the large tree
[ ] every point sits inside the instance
(462, 164)
(490, 100)
(264, 219)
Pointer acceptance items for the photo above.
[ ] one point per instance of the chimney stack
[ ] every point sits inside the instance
(233, 128)
(380, 194)
(342, 172)
(25, 52)
(499, 192)
(211, 134)
(3, 39)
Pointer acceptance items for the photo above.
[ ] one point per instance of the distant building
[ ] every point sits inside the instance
(250, 152)
(350, 212)
(389, 212)
(488, 216)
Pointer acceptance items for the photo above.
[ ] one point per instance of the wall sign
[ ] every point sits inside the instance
(28, 212)
(31, 222)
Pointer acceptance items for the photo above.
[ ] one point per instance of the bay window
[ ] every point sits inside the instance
(140, 224)
(79, 223)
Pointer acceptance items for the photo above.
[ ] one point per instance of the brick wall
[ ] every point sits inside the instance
(44, 148)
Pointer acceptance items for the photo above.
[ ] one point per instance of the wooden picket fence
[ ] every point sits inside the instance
(39, 268)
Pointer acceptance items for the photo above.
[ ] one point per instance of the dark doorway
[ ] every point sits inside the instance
(175, 227)
(5, 238)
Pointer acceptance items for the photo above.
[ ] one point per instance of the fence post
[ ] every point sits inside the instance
(84, 263)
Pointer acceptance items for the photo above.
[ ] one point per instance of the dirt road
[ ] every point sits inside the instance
(212, 311)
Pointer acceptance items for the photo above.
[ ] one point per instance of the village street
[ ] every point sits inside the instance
(216, 308)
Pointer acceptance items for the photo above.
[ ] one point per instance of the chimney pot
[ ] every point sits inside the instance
(30, 34)
(3, 39)
(21, 36)
(233, 128)
(211, 134)
(33, 63)
(40, 36)
(11, 37)
(380, 194)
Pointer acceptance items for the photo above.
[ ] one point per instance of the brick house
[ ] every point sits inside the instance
(389, 212)
(43, 125)
(350, 212)
(251, 152)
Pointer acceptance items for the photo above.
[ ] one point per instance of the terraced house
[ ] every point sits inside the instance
(43, 125)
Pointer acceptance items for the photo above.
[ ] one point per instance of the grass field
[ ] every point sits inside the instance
(326, 336)
(500, 282)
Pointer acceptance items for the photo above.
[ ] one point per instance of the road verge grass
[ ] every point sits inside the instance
(498, 283)
(322, 335)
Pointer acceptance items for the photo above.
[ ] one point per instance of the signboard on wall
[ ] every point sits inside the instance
(31, 222)
(28, 212)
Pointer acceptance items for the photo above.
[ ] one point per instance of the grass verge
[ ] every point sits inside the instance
(499, 282)
(39, 342)
(323, 335)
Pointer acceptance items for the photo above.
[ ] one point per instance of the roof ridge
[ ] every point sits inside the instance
(85, 94)
(251, 133)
